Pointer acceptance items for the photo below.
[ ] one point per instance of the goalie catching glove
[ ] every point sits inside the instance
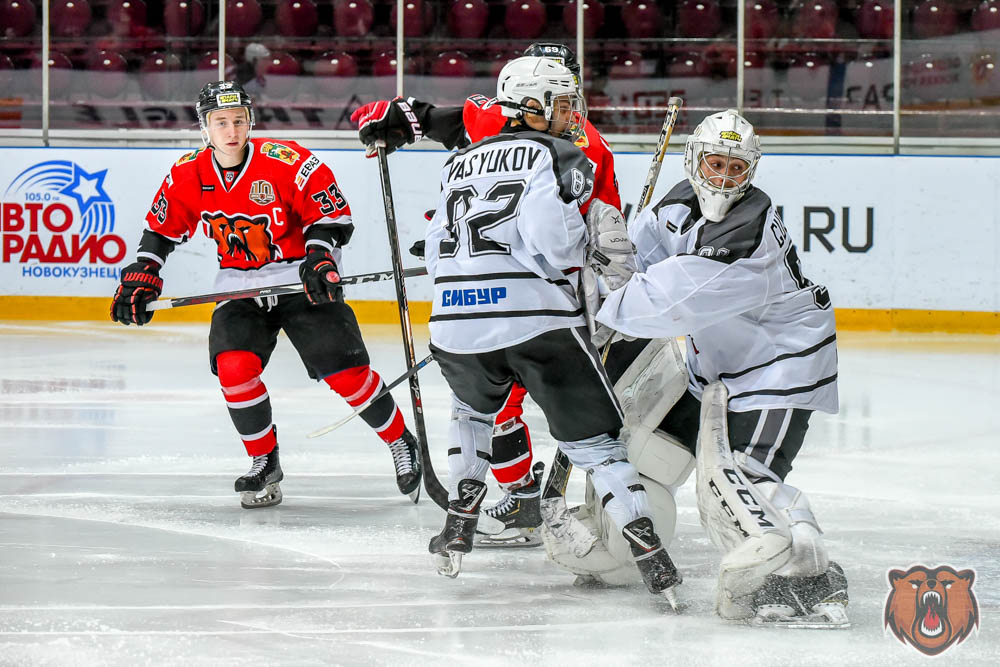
(320, 277)
(611, 253)
(141, 284)
(391, 123)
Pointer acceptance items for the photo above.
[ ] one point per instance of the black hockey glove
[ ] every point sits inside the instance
(418, 248)
(320, 277)
(141, 284)
(391, 122)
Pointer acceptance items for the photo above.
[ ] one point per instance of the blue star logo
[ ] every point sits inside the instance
(87, 189)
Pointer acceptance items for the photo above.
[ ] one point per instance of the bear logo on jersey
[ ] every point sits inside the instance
(261, 193)
(931, 609)
(242, 238)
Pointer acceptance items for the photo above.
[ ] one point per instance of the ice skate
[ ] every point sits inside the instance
(406, 460)
(803, 602)
(657, 570)
(515, 520)
(456, 539)
(259, 487)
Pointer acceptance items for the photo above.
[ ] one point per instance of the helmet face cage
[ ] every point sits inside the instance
(729, 135)
(556, 109)
(222, 95)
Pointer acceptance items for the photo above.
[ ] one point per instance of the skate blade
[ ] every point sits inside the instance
(415, 495)
(449, 563)
(510, 538)
(670, 595)
(829, 619)
(269, 496)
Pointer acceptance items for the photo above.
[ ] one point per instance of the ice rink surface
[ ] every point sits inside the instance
(122, 542)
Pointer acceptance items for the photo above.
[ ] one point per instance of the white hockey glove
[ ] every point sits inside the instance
(610, 251)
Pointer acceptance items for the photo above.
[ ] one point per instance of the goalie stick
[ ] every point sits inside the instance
(435, 490)
(277, 290)
(555, 485)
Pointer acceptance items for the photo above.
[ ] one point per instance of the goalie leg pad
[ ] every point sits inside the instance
(738, 517)
(470, 437)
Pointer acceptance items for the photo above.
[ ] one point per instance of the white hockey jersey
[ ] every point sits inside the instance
(506, 230)
(735, 288)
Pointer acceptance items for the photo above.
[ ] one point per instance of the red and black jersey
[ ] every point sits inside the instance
(281, 198)
(483, 118)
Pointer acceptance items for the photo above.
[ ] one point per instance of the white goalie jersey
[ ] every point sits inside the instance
(735, 288)
(506, 231)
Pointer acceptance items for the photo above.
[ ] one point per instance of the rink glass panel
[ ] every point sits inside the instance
(811, 67)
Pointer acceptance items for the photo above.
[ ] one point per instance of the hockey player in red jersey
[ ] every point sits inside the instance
(278, 216)
(514, 519)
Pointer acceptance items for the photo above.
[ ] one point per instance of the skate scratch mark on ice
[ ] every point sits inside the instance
(194, 533)
(601, 624)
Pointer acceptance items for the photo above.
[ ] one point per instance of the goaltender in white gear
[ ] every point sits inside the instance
(717, 265)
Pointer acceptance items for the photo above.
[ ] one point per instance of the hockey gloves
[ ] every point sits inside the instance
(391, 123)
(320, 277)
(141, 284)
(610, 251)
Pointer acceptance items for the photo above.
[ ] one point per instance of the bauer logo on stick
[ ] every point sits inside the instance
(931, 609)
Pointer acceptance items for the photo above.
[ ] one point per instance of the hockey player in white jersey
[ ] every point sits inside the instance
(716, 264)
(501, 248)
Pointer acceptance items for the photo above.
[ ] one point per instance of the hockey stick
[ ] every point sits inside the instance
(555, 485)
(276, 290)
(435, 490)
(385, 390)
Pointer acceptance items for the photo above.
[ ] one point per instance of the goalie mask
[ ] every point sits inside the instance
(222, 95)
(553, 88)
(720, 159)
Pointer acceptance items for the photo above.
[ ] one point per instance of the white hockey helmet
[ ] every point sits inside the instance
(552, 85)
(730, 135)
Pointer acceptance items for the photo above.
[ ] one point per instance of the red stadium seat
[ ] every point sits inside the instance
(814, 19)
(160, 75)
(524, 19)
(183, 18)
(207, 68)
(689, 65)
(333, 72)
(70, 18)
(127, 17)
(385, 64)
(17, 18)
(987, 16)
(6, 72)
(418, 17)
(721, 60)
(631, 65)
(762, 19)
(353, 18)
(699, 18)
(243, 17)
(297, 18)
(279, 74)
(107, 74)
(935, 18)
(642, 19)
(453, 64)
(468, 18)
(593, 17)
(984, 68)
(60, 69)
(875, 18)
